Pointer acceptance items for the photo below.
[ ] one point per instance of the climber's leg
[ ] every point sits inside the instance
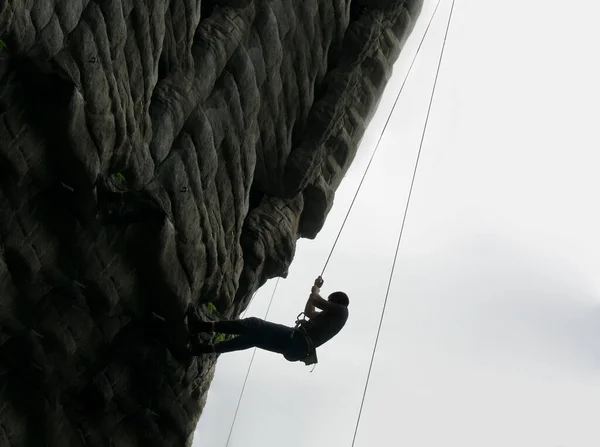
(260, 334)
(243, 326)
(278, 343)
(235, 344)
(251, 326)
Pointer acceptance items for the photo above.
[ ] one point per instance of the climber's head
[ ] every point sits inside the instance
(339, 298)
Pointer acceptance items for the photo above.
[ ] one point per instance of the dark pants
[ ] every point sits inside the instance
(254, 332)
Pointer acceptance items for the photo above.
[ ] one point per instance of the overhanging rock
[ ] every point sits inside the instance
(156, 156)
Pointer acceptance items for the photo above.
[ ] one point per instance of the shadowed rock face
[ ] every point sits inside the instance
(156, 156)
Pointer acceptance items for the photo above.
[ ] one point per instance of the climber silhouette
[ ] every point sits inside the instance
(297, 343)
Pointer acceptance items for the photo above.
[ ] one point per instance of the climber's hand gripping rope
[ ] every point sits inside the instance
(309, 309)
(316, 288)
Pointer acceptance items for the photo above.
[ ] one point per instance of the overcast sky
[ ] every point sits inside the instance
(492, 331)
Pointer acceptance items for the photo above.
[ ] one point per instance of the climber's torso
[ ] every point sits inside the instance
(324, 326)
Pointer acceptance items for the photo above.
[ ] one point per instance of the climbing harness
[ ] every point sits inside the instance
(300, 327)
(309, 357)
(301, 317)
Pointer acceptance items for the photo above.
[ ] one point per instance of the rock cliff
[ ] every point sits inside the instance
(155, 156)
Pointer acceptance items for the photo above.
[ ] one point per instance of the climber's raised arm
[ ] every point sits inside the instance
(309, 308)
(313, 299)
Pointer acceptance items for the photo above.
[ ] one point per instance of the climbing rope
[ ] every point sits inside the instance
(387, 292)
(381, 136)
(249, 367)
(344, 221)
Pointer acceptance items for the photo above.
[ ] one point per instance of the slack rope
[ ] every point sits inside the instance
(402, 227)
(344, 223)
(249, 367)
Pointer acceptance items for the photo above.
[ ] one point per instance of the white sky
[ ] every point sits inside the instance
(492, 331)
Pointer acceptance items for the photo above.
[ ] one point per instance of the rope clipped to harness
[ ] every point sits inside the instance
(300, 328)
(300, 320)
(310, 358)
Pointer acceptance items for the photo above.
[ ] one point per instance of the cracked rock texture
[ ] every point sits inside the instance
(155, 156)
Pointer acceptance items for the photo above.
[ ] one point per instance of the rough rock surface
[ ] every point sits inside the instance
(157, 155)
